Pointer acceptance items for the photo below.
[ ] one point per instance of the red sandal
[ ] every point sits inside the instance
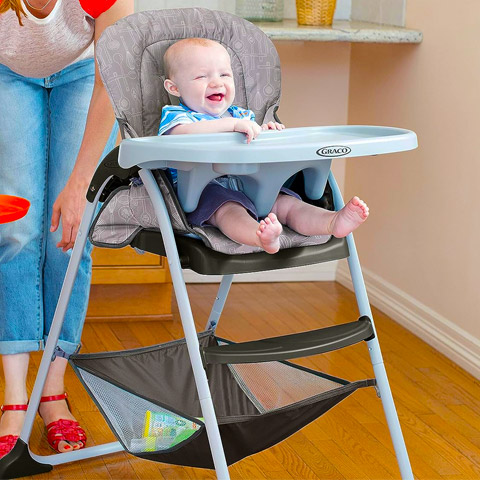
(7, 442)
(64, 430)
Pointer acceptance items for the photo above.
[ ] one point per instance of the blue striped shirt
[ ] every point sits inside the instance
(173, 115)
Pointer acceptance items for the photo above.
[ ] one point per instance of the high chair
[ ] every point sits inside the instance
(204, 401)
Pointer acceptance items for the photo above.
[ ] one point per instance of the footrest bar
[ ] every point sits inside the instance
(298, 345)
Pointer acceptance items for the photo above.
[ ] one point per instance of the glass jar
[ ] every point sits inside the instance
(260, 11)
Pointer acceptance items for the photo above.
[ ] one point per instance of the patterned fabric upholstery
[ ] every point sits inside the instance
(129, 210)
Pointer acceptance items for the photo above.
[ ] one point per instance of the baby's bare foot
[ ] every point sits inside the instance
(351, 216)
(268, 233)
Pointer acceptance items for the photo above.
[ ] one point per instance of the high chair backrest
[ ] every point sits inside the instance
(130, 58)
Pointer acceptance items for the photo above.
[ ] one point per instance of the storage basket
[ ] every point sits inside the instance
(263, 10)
(257, 404)
(315, 12)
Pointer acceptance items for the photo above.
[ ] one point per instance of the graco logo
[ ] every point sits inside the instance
(333, 151)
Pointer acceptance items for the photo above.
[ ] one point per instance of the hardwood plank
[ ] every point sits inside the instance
(174, 473)
(200, 473)
(96, 469)
(270, 465)
(466, 453)
(118, 466)
(343, 462)
(318, 462)
(247, 468)
(144, 468)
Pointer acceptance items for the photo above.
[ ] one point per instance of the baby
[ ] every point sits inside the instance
(199, 72)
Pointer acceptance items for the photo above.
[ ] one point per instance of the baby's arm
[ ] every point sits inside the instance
(248, 127)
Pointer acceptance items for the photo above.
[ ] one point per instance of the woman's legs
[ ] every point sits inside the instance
(68, 105)
(36, 165)
(15, 369)
(58, 409)
(23, 136)
(23, 172)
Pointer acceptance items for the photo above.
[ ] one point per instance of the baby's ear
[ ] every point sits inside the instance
(171, 88)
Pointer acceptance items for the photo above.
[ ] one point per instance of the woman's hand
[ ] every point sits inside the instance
(69, 208)
(69, 205)
(248, 127)
(273, 126)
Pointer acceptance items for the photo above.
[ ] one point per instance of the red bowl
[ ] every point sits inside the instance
(12, 208)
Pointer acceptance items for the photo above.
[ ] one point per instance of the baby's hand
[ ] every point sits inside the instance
(273, 126)
(248, 127)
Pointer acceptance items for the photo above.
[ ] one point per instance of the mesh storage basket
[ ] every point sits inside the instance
(149, 399)
(315, 12)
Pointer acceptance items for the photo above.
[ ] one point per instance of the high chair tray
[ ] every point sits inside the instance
(266, 163)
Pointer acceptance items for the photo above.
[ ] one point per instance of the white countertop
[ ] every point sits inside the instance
(340, 31)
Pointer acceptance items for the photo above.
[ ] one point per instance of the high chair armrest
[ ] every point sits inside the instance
(109, 167)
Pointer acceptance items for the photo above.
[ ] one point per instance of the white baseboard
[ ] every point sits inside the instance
(448, 338)
(322, 272)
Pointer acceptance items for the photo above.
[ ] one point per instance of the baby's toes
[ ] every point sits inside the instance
(364, 208)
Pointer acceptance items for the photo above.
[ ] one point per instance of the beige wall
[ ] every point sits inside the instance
(315, 79)
(424, 229)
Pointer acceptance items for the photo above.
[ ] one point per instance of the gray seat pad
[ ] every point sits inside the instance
(129, 209)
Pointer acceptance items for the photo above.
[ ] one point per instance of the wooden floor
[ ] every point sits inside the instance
(438, 403)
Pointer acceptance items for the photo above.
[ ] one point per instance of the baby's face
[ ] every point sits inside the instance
(204, 79)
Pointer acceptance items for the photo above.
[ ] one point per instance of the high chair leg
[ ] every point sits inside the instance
(374, 349)
(379, 367)
(188, 324)
(219, 302)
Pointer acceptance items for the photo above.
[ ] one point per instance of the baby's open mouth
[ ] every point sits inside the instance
(216, 97)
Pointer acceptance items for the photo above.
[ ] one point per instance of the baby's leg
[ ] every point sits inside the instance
(311, 220)
(234, 221)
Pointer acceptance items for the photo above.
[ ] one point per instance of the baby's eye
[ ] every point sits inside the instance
(200, 76)
(226, 75)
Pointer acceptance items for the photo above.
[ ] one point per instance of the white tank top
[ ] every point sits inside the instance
(44, 46)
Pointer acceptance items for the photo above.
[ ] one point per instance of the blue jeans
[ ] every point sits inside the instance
(41, 127)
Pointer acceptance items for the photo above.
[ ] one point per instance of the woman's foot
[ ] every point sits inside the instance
(351, 216)
(63, 431)
(11, 424)
(268, 233)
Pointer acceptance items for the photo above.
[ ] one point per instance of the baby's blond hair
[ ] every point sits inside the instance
(15, 5)
(174, 50)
